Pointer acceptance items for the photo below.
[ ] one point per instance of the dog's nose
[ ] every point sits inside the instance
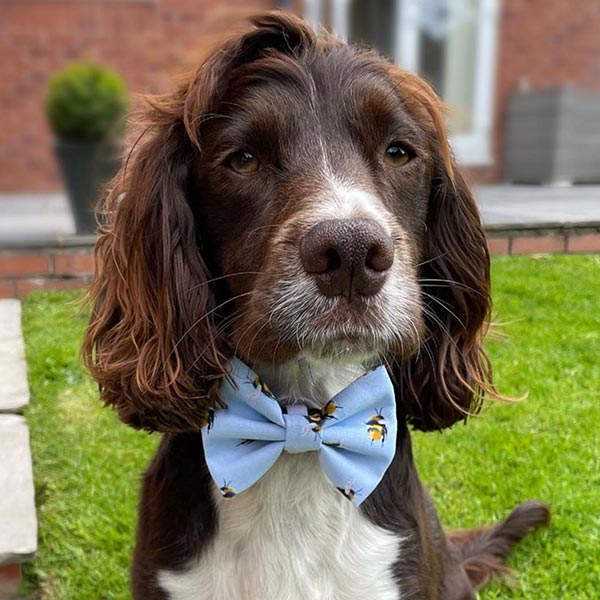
(347, 256)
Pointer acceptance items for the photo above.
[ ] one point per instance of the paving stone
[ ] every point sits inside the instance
(18, 524)
(14, 391)
(538, 204)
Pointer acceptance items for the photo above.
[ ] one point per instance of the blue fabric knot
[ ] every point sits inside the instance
(302, 434)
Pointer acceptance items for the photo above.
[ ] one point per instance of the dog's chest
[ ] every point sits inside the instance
(292, 536)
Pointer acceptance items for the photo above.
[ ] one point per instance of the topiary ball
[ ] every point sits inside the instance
(86, 102)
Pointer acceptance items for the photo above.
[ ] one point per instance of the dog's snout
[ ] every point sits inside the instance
(347, 256)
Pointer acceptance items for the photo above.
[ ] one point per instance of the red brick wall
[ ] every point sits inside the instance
(146, 41)
(544, 43)
(63, 267)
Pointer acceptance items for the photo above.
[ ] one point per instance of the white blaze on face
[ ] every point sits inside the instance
(342, 201)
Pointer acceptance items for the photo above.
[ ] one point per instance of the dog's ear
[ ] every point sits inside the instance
(447, 378)
(152, 343)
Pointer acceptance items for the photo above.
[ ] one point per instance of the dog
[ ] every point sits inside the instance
(295, 204)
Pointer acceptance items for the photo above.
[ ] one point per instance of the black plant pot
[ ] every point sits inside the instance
(86, 168)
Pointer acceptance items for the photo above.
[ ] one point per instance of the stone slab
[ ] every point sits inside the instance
(29, 216)
(18, 523)
(537, 205)
(14, 391)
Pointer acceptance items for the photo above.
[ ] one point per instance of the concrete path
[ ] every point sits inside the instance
(18, 524)
(26, 217)
(538, 205)
(14, 391)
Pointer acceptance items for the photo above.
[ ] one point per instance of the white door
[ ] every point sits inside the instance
(452, 43)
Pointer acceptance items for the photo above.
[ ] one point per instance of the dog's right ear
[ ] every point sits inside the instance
(152, 342)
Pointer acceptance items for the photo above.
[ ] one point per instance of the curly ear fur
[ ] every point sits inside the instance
(446, 381)
(152, 343)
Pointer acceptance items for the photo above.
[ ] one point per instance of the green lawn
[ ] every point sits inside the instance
(87, 465)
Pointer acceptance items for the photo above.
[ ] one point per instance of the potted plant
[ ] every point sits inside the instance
(86, 106)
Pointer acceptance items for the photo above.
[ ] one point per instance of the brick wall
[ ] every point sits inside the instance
(58, 266)
(147, 41)
(542, 44)
(71, 265)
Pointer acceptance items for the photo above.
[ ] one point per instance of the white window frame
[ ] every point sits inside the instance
(475, 147)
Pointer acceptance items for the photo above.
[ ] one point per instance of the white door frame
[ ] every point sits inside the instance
(472, 148)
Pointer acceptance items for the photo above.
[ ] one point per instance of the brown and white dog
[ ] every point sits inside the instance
(295, 203)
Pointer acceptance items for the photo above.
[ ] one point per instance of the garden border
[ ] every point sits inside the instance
(68, 262)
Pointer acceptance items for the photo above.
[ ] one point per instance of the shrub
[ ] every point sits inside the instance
(86, 102)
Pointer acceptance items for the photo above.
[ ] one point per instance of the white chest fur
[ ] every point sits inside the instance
(292, 536)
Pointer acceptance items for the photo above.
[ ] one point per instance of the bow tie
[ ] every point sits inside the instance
(354, 433)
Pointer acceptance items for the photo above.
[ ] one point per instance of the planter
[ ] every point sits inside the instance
(553, 136)
(86, 167)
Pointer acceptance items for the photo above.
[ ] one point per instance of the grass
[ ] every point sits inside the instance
(87, 464)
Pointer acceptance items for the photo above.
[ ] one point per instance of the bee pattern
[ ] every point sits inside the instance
(227, 491)
(349, 492)
(333, 444)
(207, 418)
(315, 421)
(376, 427)
(329, 409)
(260, 385)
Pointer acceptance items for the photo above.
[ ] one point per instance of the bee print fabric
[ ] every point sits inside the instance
(354, 433)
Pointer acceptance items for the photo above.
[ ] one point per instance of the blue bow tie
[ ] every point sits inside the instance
(354, 433)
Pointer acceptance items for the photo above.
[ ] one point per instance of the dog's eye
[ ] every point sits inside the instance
(244, 162)
(397, 154)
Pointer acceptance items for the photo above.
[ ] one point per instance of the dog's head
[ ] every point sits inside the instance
(295, 199)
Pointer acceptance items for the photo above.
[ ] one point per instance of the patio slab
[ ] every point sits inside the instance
(14, 391)
(34, 217)
(539, 206)
(18, 524)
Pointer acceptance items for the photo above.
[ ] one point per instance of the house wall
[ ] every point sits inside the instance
(146, 41)
(542, 44)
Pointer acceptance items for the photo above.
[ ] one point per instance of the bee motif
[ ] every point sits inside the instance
(207, 418)
(333, 444)
(227, 491)
(260, 385)
(329, 409)
(315, 420)
(349, 492)
(376, 428)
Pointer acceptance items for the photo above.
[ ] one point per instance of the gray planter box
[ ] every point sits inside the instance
(553, 136)
(86, 168)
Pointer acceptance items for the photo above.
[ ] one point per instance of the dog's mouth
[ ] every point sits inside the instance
(349, 326)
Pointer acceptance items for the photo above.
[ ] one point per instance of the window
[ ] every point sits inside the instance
(451, 43)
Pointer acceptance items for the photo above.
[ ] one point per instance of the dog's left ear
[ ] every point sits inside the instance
(447, 378)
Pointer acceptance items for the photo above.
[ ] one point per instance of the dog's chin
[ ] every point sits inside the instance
(359, 331)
